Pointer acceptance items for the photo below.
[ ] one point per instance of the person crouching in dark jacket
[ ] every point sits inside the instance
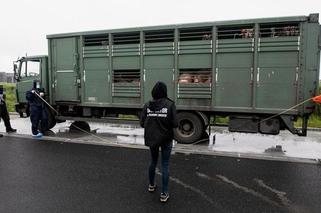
(37, 109)
(159, 120)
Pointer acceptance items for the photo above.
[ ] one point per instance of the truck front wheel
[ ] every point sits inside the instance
(190, 128)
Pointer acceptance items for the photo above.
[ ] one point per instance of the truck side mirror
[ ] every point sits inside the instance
(16, 75)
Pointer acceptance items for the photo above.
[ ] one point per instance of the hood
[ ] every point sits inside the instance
(157, 104)
(159, 94)
(159, 91)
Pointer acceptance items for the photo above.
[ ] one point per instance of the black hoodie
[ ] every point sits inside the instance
(159, 117)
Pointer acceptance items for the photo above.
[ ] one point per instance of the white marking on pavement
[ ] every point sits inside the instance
(247, 190)
(204, 176)
(188, 187)
(281, 195)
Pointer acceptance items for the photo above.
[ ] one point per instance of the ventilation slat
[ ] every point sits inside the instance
(279, 30)
(159, 36)
(195, 76)
(126, 76)
(126, 38)
(194, 34)
(96, 40)
(235, 32)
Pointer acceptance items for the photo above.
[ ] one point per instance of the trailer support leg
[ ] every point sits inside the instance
(304, 125)
(211, 139)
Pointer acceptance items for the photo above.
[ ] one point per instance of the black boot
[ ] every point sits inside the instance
(11, 130)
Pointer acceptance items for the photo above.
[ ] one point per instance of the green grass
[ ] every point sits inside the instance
(314, 121)
(128, 117)
(220, 120)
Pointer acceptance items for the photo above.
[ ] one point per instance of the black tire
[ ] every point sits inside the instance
(51, 119)
(79, 127)
(28, 110)
(190, 128)
(49, 133)
(21, 114)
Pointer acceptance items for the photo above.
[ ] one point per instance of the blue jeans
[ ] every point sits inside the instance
(166, 153)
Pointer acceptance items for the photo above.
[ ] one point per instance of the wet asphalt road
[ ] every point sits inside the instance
(46, 176)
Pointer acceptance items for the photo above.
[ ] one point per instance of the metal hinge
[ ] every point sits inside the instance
(144, 75)
(252, 44)
(144, 49)
(173, 48)
(178, 45)
(216, 46)
(83, 52)
(297, 74)
(173, 75)
(177, 90)
(216, 75)
(258, 76)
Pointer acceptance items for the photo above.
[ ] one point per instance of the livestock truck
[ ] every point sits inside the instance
(258, 72)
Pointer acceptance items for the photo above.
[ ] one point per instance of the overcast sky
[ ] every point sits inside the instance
(24, 24)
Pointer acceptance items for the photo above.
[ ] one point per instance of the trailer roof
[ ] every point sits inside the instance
(34, 57)
(163, 27)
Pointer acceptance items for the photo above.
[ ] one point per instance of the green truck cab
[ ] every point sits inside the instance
(26, 71)
(253, 71)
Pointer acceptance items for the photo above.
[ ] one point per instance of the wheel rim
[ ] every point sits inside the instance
(186, 128)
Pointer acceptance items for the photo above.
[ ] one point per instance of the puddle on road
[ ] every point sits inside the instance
(293, 145)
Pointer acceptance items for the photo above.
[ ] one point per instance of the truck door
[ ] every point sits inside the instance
(29, 71)
(65, 66)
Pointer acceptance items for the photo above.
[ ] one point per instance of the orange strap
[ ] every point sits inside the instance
(317, 99)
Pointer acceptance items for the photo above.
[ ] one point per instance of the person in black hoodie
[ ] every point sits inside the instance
(159, 120)
(4, 112)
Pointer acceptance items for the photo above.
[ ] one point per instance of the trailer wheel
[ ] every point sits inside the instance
(28, 110)
(79, 127)
(190, 128)
(51, 119)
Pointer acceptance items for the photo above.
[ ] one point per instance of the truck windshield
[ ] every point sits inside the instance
(30, 68)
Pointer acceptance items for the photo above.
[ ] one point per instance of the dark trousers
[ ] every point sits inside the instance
(5, 116)
(37, 114)
(166, 153)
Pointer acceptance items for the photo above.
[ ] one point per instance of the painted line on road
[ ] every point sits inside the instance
(248, 190)
(281, 195)
(185, 185)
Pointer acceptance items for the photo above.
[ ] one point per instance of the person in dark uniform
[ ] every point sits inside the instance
(37, 109)
(159, 120)
(4, 112)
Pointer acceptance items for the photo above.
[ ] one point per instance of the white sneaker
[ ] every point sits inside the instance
(39, 135)
(164, 197)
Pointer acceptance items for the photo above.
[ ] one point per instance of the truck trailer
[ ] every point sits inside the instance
(258, 72)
